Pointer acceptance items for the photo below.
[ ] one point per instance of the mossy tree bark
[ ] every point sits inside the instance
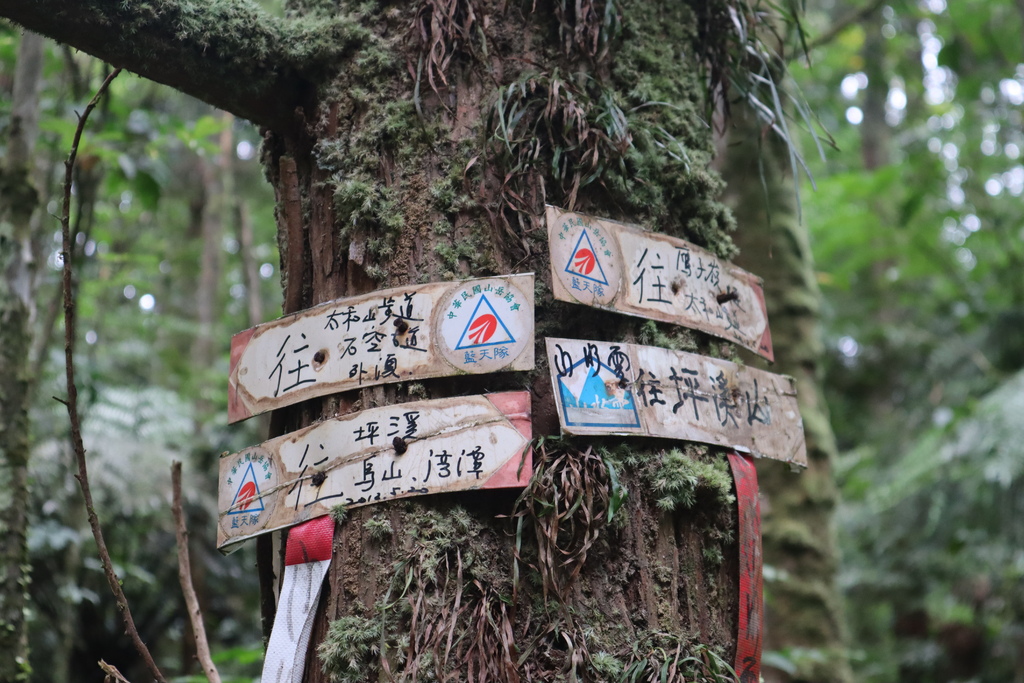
(804, 615)
(18, 200)
(412, 142)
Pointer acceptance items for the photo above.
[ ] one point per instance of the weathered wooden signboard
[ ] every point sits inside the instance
(605, 264)
(397, 451)
(606, 388)
(405, 333)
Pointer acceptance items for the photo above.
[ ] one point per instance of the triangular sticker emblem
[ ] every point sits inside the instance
(584, 262)
(485, 328)
(248, 494)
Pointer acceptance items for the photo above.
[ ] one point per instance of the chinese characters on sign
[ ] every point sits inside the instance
(609, 265)
(392, 335)
(397, 451)
(607, 388)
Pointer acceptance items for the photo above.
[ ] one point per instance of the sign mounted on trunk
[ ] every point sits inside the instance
(609, 265)
(397, 451)
(393, 335)
(607, 388)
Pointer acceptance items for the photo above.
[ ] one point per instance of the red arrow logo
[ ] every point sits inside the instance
(584, 261)
(483, 328)
(246, 495)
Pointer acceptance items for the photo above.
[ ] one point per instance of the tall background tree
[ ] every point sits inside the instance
(19, 199)
(409, 143)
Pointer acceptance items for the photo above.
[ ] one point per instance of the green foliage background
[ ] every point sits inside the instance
(918, 235)
(919, 241)
(137, 271)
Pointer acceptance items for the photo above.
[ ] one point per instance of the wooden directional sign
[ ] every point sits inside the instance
(393, 335)
(605, 264)
(397, 451)
(604, 388)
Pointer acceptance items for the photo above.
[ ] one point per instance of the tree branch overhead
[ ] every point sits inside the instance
(229, 53)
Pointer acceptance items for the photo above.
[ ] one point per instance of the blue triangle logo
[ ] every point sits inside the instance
(485, 328)
(248, 490)
(584, 262)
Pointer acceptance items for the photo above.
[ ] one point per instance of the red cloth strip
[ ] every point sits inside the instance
(751, 622)
(310, 541)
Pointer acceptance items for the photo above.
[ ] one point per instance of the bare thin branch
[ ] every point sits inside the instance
(72, 400)
(854, 17)
(195, 615)
(112, 674)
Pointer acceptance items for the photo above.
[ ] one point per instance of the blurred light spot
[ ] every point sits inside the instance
(953, 232)
(237, 291)
(79, 239)
(266, 270)
(942, 416)
(934, 145)
(129, 291)
(165, 267)
(147, 302)
(90, 248)
(988, 147)
(935, 6)
(889, 31)
(854, 115)
(91, 337)
(988, 95)
(897, 99)
(993, 186)
(1014, 180)
(950, 151)
(961, 309)
(245, 150)
(955, 195)
(849, 347)
(230, 245)
(1012, 151)
(966, 258)
(1012, 90)
(972, 222)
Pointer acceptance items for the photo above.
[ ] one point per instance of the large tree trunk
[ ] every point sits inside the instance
(18, 200)
(418, 141)
(390, 196)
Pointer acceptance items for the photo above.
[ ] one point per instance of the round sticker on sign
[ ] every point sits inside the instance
(485, 325)
(584, 258)
(245, 507)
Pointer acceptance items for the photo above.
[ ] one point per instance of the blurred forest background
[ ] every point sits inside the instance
(917, 230)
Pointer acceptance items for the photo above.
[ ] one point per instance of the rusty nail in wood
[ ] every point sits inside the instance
(319, 356)
(401, 325)
(400, 445)
(319, 478)
(726, 297)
